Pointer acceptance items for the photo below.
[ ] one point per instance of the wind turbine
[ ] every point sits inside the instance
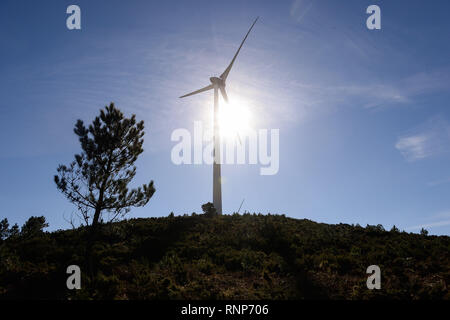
(218, 83)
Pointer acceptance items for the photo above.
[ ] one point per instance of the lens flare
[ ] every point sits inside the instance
(234, 119)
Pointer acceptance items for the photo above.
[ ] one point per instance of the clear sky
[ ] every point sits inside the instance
(364, 116)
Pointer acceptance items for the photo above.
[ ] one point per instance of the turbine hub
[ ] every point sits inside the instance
(217, 81)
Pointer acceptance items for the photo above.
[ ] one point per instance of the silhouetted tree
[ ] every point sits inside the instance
(97, 181)
(209, 210)
(424, 232)
(33, 226)
(4, 228)
(13, 231)
(6, 232)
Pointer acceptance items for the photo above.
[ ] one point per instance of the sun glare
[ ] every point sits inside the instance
(234, 119)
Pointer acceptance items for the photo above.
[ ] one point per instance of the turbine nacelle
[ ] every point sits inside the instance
(217, 81)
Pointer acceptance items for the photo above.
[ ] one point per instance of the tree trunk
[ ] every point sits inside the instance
(92, 235)
(96, 219)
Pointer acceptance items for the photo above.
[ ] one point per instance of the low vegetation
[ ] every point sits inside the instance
(205, 256)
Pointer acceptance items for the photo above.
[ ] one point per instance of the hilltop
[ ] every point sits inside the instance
(227, 257)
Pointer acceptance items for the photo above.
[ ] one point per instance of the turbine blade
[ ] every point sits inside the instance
(224, 75)
(198, 91)
(239, 137)
(224, 93)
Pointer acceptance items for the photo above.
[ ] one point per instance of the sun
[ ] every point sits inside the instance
(234, 119)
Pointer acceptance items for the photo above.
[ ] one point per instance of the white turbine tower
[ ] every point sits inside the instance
(218, 83)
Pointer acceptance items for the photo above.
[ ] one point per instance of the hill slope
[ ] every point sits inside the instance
(228, 257)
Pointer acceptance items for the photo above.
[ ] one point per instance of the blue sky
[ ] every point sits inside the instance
(363, 115)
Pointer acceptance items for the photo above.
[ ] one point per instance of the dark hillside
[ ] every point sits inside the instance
(227, 257)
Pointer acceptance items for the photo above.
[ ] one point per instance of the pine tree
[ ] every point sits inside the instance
(4, 228)
(6, 232)
(209, 210)
(394, 229)
(34, 226)
(14, 231)
(97, 181)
